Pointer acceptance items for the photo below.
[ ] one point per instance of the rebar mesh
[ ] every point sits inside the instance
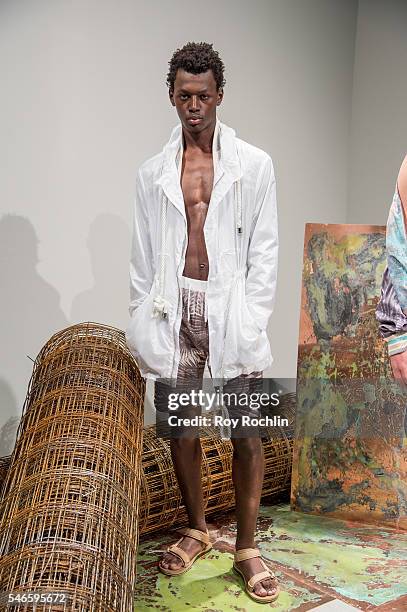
(70, 499)
(4, 467)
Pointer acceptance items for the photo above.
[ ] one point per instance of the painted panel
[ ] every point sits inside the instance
(350, 451)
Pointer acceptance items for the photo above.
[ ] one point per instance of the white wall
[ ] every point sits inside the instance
(84, 102)
(379, 109)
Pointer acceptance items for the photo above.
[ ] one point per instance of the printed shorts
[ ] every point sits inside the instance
(194, 353)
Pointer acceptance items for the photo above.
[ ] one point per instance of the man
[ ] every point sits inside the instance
(203, 276)
(392, 308)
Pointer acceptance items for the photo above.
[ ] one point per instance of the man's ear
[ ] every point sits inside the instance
(171, 96)
(220, 96)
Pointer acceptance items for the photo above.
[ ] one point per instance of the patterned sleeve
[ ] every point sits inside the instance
(392, 320)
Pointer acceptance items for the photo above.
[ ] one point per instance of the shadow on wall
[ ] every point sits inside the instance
(10, 418)
(31, 313)
(109, 249)
(107, 301)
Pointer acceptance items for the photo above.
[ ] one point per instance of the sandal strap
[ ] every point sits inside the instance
(246, 553)
(176, 550)
(258, 578)
(197, 534)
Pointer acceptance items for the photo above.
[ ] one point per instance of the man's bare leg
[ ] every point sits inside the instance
(186, 455)
(247, 474)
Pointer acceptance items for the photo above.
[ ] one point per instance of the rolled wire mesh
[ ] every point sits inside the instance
(70, 499)
(4, 466)
(160, 501)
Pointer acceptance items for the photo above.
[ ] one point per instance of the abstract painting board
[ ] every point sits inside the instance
(350, 448)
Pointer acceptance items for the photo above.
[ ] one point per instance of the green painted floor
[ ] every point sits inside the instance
(319, 562)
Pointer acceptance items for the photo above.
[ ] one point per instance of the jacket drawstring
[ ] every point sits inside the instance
(161, 305)
(238, 196)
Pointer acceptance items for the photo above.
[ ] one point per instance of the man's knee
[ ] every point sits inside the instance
(186, 444)
(247, 448)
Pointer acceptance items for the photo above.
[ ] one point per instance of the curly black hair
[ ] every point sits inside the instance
(196, 58)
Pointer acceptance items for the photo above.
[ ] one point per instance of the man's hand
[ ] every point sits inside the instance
(399, 366)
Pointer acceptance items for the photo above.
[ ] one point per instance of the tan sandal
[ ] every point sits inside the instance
(250, 553)
(201, 536)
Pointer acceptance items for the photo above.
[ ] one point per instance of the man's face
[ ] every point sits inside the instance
(195, 97)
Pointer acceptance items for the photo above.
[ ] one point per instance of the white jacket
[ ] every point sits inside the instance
(242, 244)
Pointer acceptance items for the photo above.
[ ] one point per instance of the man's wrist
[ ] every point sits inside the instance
(397, 344)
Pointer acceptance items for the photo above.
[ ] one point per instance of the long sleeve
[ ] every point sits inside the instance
(392, 319)
(396, 250)
(141, 258)
(261, 278)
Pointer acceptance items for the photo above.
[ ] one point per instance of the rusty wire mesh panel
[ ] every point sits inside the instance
(4, 466)
(160, 500)
(278, 450)
(68, 518)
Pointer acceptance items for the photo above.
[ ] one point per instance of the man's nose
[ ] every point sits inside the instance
(194, 105)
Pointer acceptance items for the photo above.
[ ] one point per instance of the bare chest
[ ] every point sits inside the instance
(197, 181)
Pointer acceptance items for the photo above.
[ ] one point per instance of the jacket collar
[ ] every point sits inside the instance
(227, 167)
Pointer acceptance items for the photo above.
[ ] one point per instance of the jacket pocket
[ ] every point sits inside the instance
(245, 343)
(149, 338)
(227, 264)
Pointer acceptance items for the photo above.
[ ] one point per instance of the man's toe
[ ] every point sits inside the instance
(260, 590)
(167, 561)
(175, 564)
(264, 588)
(269, 586)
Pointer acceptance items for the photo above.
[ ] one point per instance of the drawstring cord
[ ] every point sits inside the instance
(161, 305)
(238, 196)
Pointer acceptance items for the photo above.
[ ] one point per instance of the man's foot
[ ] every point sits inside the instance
(250, 567)
(190, 545)
(249, 562)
